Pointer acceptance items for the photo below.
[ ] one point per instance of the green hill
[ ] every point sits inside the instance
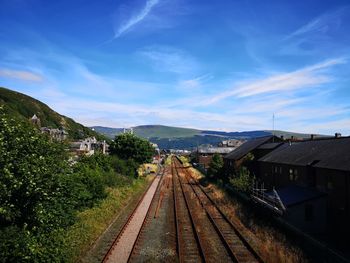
(161, 131)
(23, 106)
(288, 134)
(183, 138)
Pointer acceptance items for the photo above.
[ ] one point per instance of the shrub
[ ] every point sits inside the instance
(242, 181)
(215, 166)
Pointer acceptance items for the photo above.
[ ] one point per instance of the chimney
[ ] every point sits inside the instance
(337, 135)
(312, 136)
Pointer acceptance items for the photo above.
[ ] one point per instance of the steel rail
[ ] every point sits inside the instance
(237, 232)
(199, 242)
(178, 247)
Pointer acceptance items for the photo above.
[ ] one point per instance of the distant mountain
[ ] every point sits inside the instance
(151, 131)
(23, 106)
(168, 137)
(247, 134)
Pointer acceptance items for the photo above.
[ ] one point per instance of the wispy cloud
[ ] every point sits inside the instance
(135, 19)
(321, 24)
(21, 75)
(169, 59)
(195, 82)
(307, 77)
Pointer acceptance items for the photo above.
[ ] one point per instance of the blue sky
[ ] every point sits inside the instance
(220, 65)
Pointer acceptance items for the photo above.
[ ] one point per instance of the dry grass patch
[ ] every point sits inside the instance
(272, 245)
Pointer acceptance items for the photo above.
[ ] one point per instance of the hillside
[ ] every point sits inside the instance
(168, 137)
(164, 132)
(23, 106)
(151, 131)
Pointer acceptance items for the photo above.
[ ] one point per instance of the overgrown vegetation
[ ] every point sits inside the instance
(41, 192)
(216, 166)
(242, 181)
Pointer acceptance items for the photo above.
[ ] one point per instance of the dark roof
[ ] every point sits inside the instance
(326, 153)
(294, 195)
(269, 146)
(247, 147)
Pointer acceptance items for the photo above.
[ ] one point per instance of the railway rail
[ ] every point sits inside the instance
(121, 251)
(237, 247)
(189, 248)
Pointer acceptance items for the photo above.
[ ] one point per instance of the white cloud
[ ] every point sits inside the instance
(134, 20)
(21, 75)
(195, 82)
(307, 77)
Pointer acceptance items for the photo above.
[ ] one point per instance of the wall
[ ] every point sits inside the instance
(337, 185)
(317, 225)
(278, 175)
(204, 159)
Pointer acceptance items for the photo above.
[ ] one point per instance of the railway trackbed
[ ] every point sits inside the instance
(209, 240)
(201, 231)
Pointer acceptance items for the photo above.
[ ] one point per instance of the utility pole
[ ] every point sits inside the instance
(273, 127)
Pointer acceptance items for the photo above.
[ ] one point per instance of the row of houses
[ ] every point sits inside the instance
(310, 179)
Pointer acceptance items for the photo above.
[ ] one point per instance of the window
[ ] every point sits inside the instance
(276, 169)
(280, 169)
(309, 212)
(293, 174)
(329, 183)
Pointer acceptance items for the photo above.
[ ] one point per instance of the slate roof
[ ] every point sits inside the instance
(324, 153)
(247, 147)
(269, 146)
(294, 195)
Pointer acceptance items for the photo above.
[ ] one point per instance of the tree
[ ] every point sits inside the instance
(128, 146)
(215, 166)
(29, 166)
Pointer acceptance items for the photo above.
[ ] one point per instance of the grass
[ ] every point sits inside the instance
(147, 168)
(185, 161)
(273, 245)
(168, 160)
(91, 223)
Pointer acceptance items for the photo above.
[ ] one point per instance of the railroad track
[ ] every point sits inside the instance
(237, 247)
(112, 254)
(188, 246)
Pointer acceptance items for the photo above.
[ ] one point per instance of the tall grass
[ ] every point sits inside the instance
(272, 245)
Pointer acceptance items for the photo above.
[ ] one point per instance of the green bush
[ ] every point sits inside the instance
(242, 181)
(215, 166)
